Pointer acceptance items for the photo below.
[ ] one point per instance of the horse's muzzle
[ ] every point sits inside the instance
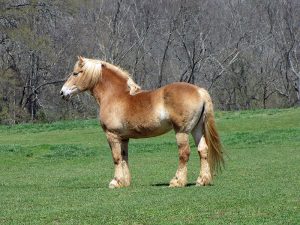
(64, 95)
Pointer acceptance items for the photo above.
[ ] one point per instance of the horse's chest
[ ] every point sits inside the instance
(110, 120)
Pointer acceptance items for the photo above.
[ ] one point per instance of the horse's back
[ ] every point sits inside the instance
(179, 90)
(172, 99)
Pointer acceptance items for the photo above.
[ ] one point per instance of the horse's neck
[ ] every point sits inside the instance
(110, 85)
(114, 82)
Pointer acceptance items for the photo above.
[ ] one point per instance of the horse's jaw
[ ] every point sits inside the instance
(67, 92)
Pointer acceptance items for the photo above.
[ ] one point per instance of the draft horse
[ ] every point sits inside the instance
(127, 112)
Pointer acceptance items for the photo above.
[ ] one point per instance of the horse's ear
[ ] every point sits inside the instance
(80, 59)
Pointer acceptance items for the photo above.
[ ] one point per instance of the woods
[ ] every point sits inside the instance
(246, 53)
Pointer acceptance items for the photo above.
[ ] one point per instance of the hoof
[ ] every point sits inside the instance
(203, 181)
(114, 184)
(117, 183)
(175, 182)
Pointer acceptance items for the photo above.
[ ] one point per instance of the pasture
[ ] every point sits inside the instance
(59, 173)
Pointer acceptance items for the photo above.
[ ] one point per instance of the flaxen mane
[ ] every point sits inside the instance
(92, 68)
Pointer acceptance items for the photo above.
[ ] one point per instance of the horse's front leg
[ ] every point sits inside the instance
(119, 149)
(180, 178)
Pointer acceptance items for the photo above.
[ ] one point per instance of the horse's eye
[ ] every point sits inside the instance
(76, 73)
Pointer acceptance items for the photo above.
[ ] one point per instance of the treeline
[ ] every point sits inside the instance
(246, 53)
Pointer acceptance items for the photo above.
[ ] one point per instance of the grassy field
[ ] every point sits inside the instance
(59, 173)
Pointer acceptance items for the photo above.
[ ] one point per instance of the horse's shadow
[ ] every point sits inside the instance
(167, 184)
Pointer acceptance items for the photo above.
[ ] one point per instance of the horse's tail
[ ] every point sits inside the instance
(215, 153)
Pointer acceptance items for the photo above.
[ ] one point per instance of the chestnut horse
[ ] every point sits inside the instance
(126, 112)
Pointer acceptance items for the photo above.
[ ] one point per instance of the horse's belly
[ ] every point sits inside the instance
(145, 131)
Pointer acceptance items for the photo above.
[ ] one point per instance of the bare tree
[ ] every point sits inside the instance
(245, 52)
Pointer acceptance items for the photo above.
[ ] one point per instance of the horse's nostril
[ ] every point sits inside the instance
(61, 92)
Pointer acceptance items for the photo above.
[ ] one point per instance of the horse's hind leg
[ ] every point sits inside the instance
(205, 177)
(180, 178)
(119, 149)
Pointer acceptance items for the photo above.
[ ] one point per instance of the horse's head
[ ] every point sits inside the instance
(85, 75)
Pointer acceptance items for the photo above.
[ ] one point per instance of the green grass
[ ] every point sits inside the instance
(59, 173)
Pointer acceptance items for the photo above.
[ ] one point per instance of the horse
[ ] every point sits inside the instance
(126, 111)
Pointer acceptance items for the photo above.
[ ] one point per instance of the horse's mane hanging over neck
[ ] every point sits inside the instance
(93, 69)
(134, 88)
